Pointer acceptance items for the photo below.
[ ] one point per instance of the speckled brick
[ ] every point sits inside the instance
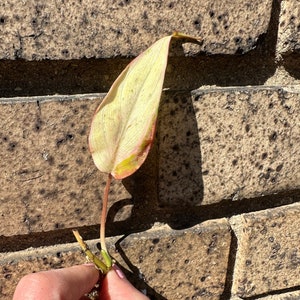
(166, 263)
(35, 30)
(50, 181)
(289, 24)
(230, 143)
(267, 257)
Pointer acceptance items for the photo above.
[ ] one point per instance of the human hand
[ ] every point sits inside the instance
(73, 283)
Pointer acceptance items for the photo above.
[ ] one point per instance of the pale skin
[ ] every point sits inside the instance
(73, 283)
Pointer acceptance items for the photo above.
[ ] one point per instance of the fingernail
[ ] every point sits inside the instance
(118, 271)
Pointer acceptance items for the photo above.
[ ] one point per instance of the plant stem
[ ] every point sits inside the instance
(98, 263)
(104, 213)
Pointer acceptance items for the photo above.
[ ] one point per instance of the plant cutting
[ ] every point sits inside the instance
(123, 126)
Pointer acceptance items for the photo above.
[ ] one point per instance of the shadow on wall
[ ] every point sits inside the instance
(23, 78)
(291, 64)
(179, 160)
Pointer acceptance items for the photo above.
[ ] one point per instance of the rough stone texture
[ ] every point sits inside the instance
(166, 263)
(267, 257)
(289, 25)
(249, 141)
(49, 180)
(286, 296)
(36, 30)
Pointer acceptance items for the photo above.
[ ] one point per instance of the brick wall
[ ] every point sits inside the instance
(214, 212)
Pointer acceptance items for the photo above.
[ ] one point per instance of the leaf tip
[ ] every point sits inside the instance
(188, 38)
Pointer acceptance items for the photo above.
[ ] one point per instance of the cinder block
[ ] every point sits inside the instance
(166, 263)
(73, 29)
(50, 180)
(267, 257)
(230, 143)
(288, 31)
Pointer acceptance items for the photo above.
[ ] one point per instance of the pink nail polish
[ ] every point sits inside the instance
(118, 271)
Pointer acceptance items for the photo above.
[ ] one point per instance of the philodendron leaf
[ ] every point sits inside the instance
(123, 126)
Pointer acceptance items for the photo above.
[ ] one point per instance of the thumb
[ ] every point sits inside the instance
(115, 286)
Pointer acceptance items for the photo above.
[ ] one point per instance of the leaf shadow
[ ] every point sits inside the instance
(171, 180)
(180, 181)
